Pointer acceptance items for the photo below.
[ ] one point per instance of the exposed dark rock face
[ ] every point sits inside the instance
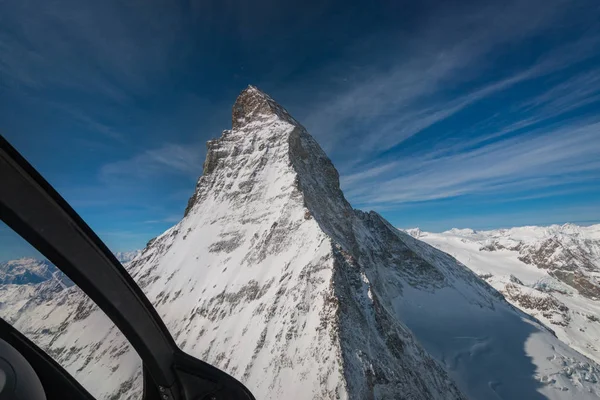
(583, 283)
(545, 304)
(252, 105)
(573, 262)
(570, 259)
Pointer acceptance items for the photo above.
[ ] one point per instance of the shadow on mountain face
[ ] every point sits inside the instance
(483, 350)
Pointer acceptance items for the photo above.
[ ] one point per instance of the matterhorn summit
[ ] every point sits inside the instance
(268, 255)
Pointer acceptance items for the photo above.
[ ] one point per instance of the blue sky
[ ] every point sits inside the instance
(477, 114)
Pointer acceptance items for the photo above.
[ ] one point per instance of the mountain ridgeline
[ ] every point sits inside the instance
(273, 277)
(551, 273)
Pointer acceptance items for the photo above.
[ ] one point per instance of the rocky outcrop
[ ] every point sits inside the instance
(252, 105)
(536, 303)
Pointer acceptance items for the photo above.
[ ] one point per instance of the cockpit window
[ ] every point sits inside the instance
(42, 303)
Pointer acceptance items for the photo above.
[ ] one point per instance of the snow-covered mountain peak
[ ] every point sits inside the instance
(22, 261)
(414, 232)
(267, 148)
(268, 256)
(461, 232)
(254, 105)
(272, 276)
(126, 256)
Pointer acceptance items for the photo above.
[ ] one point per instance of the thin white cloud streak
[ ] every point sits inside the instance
(89, 122)
(548, 192)
(546, 160)
(482, 161)
(410, 124)
(412, 117)
(109, 52)
(168, 219)
(164, 161)
(103, 48)
(579, 90)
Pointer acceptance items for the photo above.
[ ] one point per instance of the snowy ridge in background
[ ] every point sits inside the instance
(56, 315)
(26, 270)
(126, 256)
(273, 277)
(31, 270)
(527, 265)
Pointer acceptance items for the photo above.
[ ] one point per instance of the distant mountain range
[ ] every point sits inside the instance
(551, 273)
(127, 256)
(26, 270)
(29, 270)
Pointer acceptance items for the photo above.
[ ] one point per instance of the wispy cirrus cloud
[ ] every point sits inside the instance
(87, 61)
(151, 164)
(572, 93)
(99, 48)
(171, 219)
(439, 72)
(440, 119)
(537, 161)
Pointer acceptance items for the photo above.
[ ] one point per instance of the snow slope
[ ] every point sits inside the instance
(502, 258)
(62, 320)
(273, 277)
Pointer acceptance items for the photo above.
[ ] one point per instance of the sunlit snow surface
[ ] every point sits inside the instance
(560, 307)
(62, 320)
